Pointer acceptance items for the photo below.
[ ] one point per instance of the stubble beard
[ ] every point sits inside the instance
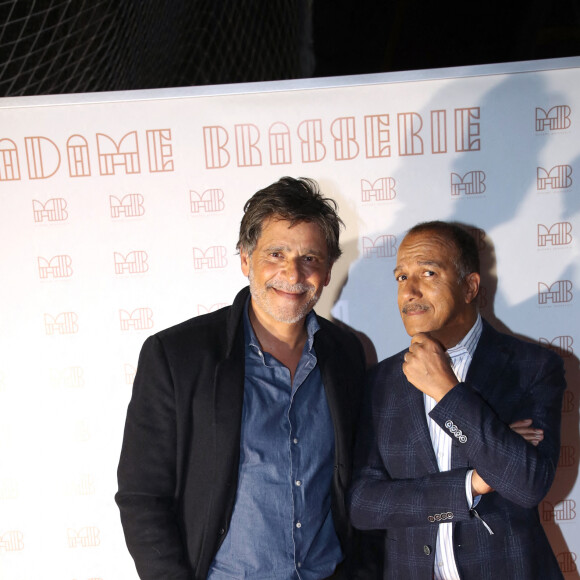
(289, 314)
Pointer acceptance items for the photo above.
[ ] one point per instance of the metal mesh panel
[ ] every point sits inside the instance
(68, 46)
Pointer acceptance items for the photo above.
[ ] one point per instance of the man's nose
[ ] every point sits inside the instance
(412, 289)
(293, 271)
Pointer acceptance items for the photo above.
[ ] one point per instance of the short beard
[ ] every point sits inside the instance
(260, 296)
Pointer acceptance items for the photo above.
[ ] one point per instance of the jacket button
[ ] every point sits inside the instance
(427, 550)
(221, 532)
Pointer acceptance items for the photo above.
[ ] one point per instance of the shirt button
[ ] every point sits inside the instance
(298, 483)
(299, 564)
(298, 525)
(295, 440)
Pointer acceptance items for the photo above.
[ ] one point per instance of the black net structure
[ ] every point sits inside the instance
(71, 46)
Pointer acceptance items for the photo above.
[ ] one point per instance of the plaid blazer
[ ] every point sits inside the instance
(397, 484)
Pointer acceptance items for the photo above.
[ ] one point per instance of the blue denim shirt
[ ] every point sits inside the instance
(282, 526)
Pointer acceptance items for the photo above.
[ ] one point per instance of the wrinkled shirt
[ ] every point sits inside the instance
(461, 356)
(282, 526)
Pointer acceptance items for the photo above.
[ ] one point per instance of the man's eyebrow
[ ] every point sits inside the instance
(429, 263)
(420, 263)
(313, 252)
(283, 248)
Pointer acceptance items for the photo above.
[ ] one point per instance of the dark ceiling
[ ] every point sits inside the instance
(69, 46)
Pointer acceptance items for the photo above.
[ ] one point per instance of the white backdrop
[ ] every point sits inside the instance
(119, 215)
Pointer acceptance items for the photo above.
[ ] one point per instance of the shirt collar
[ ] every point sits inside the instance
(468, 343)
(250, 338)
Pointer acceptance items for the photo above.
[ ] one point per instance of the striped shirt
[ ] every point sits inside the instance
(461, 356)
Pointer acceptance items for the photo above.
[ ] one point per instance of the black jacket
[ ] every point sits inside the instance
(179, 461)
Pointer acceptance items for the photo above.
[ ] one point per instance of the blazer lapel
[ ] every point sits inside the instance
(229, 397)
(487, 368)
(332, 375)
(419, 431)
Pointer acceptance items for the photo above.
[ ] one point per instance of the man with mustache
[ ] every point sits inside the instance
(239, 435)
(460, 433)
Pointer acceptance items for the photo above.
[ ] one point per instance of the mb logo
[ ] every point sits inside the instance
(84, 486)
(70, 377)
(561, 345)
(473, 182)
(555, 119)
(567, 456)
(382, 247)
(558, 293)
(567, 562)
(129, 371)
(213, 257)
(138, 319)
(569, 402)
(12, 541)
(8, 489)
(133, 263)
(129, 206)
(558, 234)
(88, 537)
(562, 512)
(54, 210)
(81, 432)
(559, 177)
(55, 267)
(210, 201)
(63, 323)
(382, 189)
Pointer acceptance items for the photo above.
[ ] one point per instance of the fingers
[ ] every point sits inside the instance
(427, 366)
(524, 428)
(521, 423)
(421, 338)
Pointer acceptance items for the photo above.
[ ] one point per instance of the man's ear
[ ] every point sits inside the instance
(328, 275)
(245, 263)
(471, 287)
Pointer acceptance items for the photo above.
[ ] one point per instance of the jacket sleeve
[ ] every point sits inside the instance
(377, 500)
(518, 471)
(147, 471)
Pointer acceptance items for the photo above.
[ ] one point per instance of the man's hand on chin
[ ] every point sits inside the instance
(428, 368)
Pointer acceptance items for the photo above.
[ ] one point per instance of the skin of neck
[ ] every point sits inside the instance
(277, 336)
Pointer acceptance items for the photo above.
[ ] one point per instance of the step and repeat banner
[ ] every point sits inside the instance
(119, 216)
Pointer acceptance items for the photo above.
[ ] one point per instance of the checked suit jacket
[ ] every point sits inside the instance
(397, 484)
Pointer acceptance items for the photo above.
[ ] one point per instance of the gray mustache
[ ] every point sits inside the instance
(290, 288)
(414, 308)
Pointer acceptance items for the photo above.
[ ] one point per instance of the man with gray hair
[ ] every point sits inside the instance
(239, 435)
